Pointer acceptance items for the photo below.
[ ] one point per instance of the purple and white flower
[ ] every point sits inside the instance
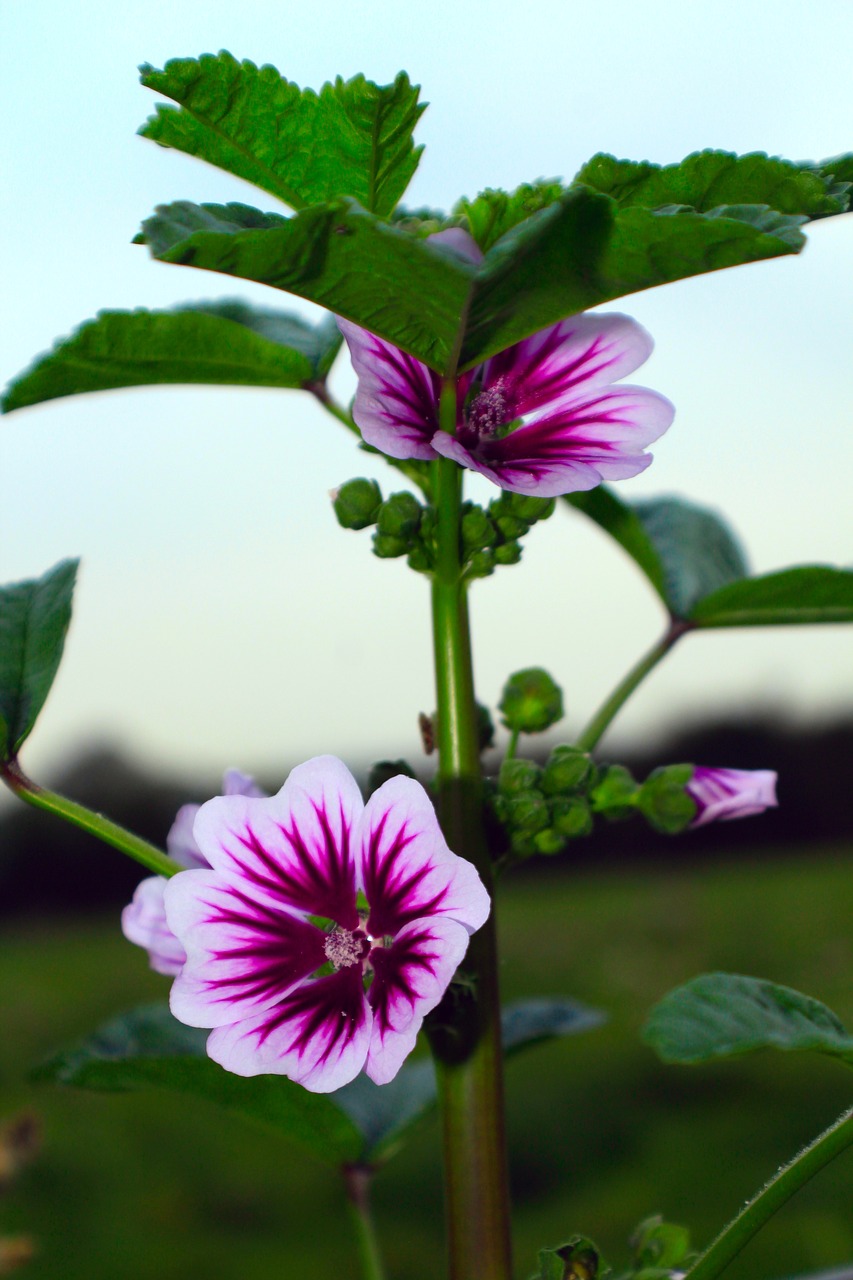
(324, 929)
(143, 920)
(542, 417)
(723, 794)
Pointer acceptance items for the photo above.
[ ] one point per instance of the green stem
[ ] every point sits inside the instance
(770, 1198)
(357, 1181)
(606, 713)
(465, 1030)
(512, 745)
(79, 816)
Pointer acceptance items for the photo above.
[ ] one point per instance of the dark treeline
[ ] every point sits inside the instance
(48, 866)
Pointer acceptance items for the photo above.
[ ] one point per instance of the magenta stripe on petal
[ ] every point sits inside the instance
(318, 1036)
(410, 977)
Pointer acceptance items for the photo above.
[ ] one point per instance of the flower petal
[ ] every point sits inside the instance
(293, 849)
(724, 794)
(410, 977)
(143, 921)
(180, 841)
(406, 868)
(579, 443)
(459, 241)
(318, 1036)
(396, 404)
(581, 353)
(242, 955)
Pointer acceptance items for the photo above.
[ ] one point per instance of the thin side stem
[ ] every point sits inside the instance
(761, 1208)
(607, 712)
(465, 1030)
(357, 1182)
(416, 472)
(95, 823)
(512, 745)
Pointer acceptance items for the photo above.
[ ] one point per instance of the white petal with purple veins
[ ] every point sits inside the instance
(318, 1036)
(143, 921)
(396, 404)
(410, 977)
(407, 870)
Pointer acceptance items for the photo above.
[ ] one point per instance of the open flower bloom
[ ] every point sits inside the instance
(541, 418)
(730, 793)
(324, 930)
(143, 920)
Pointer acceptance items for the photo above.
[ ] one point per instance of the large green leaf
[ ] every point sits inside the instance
(363, 1121)
(708, 179)
(492, 213)
(685, 551)
(218, 342)
(353, 138)
(575, 253)
(720, 1014)
(382, 277)
(34, 618)
(806, 594)
(148, 1048)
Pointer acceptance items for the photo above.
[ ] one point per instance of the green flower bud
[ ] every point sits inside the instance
(478, 531)
(663, 800)
(387, 547)
(531, 702)
(481, 564)
(400, 516)
(523, 845)
(549, 841)
(567, 769)
(510, 527)
(357, 503)
(530, 509)
(509, 553)
(571, 816)
(518, 775)
(419, 559)
(614, 794)
(527, 812)
(383, 770)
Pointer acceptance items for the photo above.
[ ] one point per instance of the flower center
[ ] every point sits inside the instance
(488, 414)
(345, 947)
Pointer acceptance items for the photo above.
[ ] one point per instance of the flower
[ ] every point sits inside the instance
(324, 930)
(730, 793)
(541, 418)
(143, 920)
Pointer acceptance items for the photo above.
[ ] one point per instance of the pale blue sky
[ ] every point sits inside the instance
(222, 618)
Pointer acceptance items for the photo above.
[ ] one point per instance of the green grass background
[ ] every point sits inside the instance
(150, 1185)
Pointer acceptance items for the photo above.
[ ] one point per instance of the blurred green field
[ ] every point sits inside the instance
(134, 1186)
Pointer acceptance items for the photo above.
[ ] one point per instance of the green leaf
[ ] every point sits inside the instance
(803, 595)
(493, 213)
(685, 551)
(222, 343)
(374, 273)
(148, 1048)
(363, 1121)
(353, 138)
(707, 180)
(720, 1014)
(34, 618)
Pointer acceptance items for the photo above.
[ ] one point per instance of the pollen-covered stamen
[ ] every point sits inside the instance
(487, 412)
(345, 947)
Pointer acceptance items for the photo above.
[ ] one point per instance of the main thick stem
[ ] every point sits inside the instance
(465, 1031)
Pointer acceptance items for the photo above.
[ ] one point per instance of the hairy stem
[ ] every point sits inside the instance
(357, 1181)
(79, 816)
(465, 1029)
(771, 1197)
(607, 712)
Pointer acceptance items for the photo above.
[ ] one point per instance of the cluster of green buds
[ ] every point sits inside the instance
(405, 527)
(490, 536)
(542, 808)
